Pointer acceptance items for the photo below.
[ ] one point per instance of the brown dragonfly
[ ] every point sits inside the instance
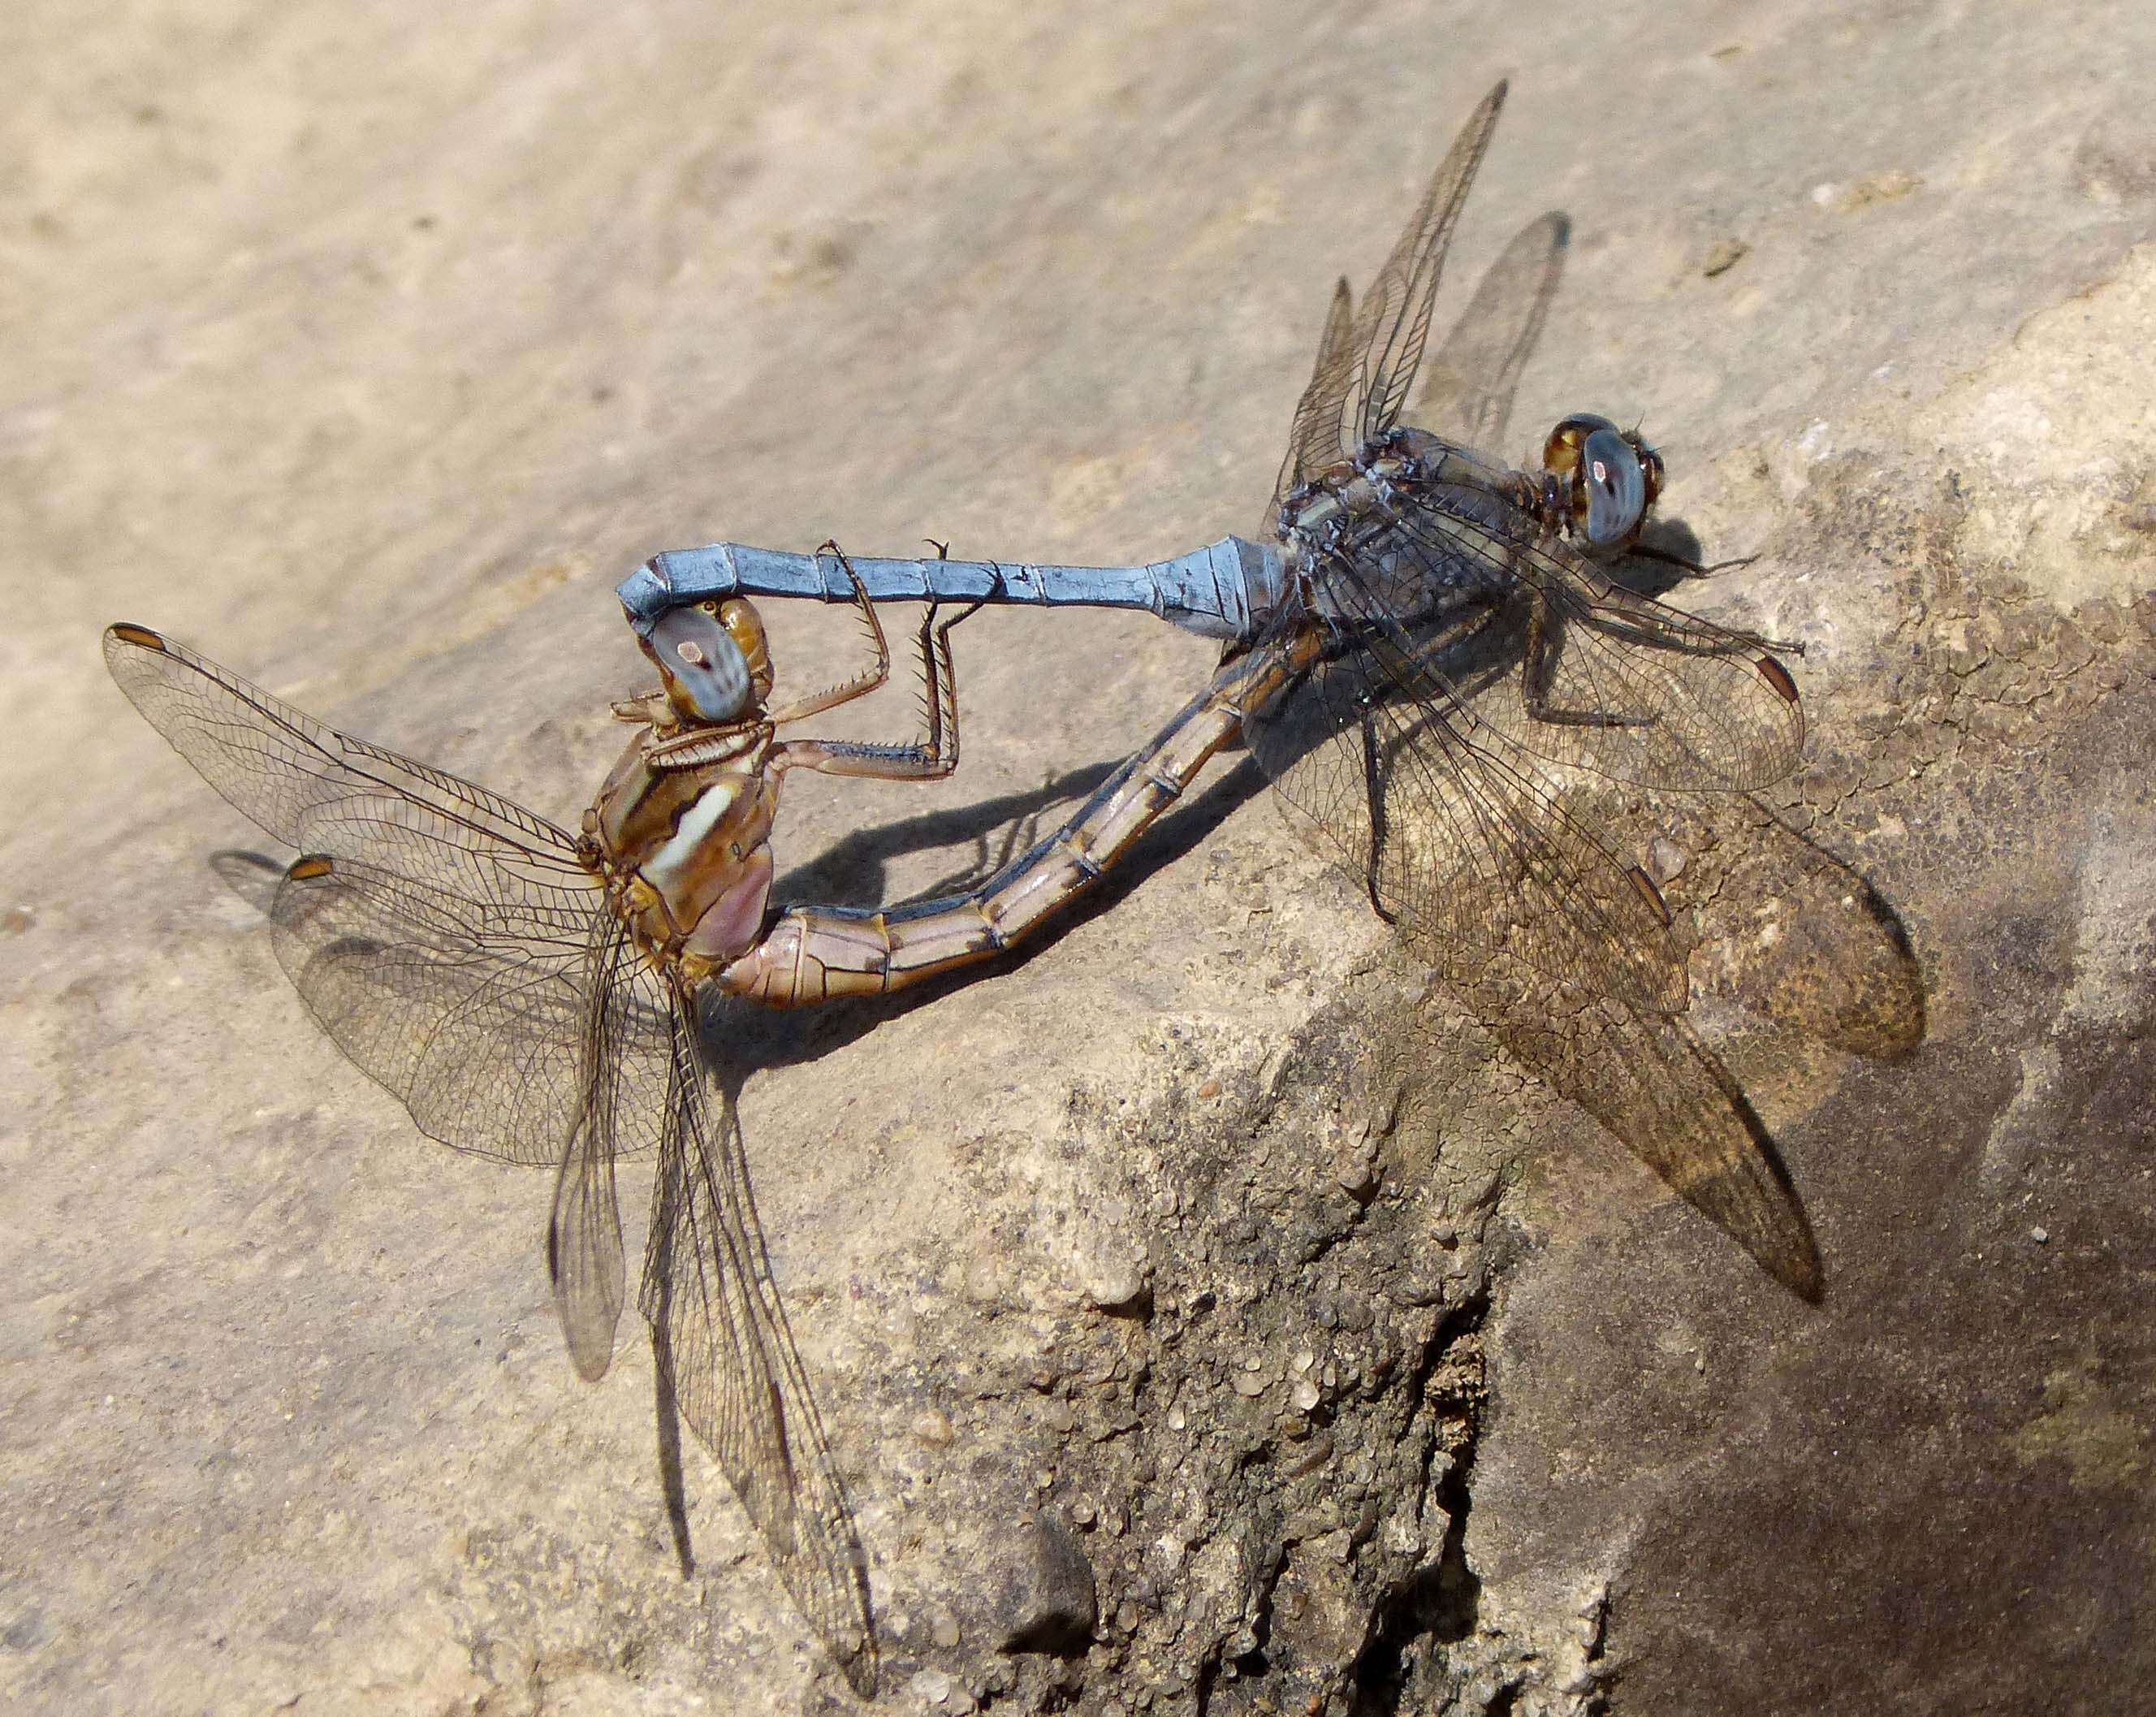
(532, 996)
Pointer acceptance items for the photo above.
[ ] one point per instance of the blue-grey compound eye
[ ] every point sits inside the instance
(706, 675)
(1615, 487)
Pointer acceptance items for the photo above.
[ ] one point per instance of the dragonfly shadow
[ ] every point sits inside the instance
(254, 876)
(1763, 916)
(1829, 958)
(854, 870)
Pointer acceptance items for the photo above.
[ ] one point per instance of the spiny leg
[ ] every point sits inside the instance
(929, 761)
(1708, 569)
(1698, 569)
(940, 690)
(862, 684)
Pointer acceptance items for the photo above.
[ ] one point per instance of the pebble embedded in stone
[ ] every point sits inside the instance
(933, 1428)
(1124, 1286)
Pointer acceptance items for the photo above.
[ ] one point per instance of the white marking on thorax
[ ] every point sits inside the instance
(663, 869)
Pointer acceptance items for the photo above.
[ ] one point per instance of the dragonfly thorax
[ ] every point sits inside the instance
(680, 832)
(1409, 527)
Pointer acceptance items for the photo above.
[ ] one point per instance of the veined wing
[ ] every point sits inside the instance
(1457, 836)
(1393, 321)
(439, 933)
(1314, 441)
(1609, 680)
(626, 1057)
(725, 1355)
(1365, 369)
(1668, 1100)
(1468, 386)
(280, 768)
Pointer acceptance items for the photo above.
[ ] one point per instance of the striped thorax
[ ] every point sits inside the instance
(680, 829)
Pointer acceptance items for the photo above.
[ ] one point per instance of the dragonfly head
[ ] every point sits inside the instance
(1610, 476)
(712, 659)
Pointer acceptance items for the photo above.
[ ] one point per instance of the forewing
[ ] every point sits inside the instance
(1314, 441)
(1611, 680)
(1460, 837)
(720, 1339)
(1468, 386)
(282, 767)
(1394, 322)
(440, 934)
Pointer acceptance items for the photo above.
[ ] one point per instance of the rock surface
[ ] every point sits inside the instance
(366, 347)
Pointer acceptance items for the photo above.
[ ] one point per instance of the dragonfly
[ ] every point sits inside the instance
(1430, 658)
(533, 996)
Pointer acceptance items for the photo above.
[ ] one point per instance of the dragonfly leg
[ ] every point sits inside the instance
(863, 683)
(929, 760)
(1653, 629)
(940, 680)
(1535, 674)
(1698, 569)
(649, 709)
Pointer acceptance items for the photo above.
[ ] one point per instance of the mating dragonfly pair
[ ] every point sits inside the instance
(1424, 658)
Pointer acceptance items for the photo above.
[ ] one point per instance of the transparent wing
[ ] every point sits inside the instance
(1608, 681)
(281, 768)
(1372, 354)
(1393, 322)
(624, 1108)
(1457, 836)
(1314, 441)
(441, 936)
(1469, 384)
(720, 1339)
(1667, 1099)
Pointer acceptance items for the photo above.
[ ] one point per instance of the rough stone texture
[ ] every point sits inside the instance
(365, 347)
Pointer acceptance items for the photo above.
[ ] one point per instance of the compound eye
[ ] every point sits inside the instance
(1561, 452)
(706, 675)
(1613, 486)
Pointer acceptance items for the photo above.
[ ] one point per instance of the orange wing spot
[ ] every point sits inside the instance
(142, 637)
(311, 868)
(1775, 675)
